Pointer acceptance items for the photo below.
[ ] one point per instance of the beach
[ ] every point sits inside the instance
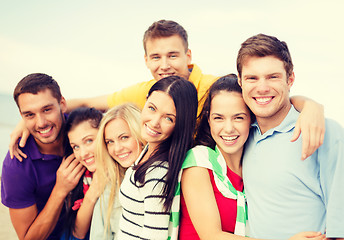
(6, 231)
(7, 123)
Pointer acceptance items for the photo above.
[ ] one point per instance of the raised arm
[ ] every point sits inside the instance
(311, 124)
(85, 212)
(31, 225)
(20, 131)
(136, 94)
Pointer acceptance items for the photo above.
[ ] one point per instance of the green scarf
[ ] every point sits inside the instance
(202, 156)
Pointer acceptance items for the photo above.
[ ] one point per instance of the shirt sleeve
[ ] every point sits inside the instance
(115, 215)
(135, 94)
(331, 160)
(156, 220)
(17, 183)
(97, 223)
(99, 217)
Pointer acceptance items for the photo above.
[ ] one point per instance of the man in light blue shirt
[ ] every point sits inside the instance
(284, 194)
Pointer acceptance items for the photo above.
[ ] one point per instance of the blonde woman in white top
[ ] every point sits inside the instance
(118, 145)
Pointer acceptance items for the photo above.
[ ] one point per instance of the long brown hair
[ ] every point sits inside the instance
(174, 148)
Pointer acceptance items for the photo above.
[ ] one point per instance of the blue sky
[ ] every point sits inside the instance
(95, 47)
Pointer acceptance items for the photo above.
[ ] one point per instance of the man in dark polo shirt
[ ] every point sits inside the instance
(34, 190)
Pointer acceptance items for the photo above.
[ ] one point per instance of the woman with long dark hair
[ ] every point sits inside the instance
(168, 120)
(82, 128)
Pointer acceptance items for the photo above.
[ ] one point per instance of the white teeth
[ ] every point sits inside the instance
(166, 75)
(151, 130)
(45, 131)
(123, 155)
(229, 138)
(89, 160)
(263, 99)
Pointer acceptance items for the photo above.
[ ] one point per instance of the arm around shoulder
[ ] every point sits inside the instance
(311, 123)
(20, 131)
(99, 102)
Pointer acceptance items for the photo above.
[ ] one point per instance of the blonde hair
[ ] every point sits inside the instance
(109, 171)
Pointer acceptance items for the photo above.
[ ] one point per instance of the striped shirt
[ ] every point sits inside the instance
(143, 216)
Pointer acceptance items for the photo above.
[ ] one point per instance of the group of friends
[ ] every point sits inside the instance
(182, 156)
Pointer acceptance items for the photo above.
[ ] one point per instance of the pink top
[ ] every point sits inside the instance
(227, 208)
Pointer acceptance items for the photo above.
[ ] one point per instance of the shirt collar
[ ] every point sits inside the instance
(143, 152)
(195, 75)
(31, 149)
(287, 124)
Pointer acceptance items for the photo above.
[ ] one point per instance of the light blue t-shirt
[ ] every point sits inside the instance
(286, 195)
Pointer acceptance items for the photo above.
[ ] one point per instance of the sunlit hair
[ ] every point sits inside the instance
(262, 45)
(109, 171)
(228, 83)
(163, 29)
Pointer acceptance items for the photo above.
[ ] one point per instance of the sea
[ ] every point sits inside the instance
(9, 118)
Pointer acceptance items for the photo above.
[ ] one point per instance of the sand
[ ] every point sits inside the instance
(7, 231)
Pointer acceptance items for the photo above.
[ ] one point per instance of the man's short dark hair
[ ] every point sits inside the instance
(165, 28)
(37, 82)
(262, 45)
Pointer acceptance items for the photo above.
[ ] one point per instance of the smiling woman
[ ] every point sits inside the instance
(82, 139)
(82, 128)
(147, 191)
(158, 118)
(212, 178)
(118, 145)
